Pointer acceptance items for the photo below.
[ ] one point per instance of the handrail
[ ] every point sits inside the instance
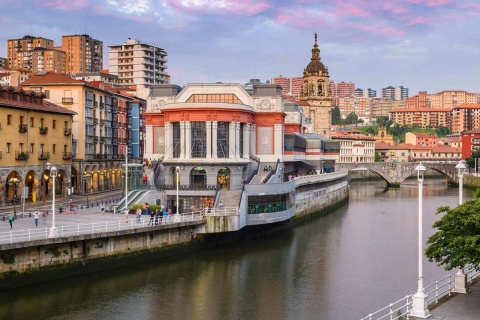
(215, 198)
(271, 173)
(314, 178)
(253, 174)
(220, 212)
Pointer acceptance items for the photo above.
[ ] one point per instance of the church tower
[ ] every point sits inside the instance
(316, 92)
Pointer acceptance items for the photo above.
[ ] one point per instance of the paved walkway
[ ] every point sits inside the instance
(459, 306)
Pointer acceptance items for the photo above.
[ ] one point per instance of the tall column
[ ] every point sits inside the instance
(253, 139)
(214, 139)
(188, 140)
(168, 140)
(182, 140)
(246, 141)
(278, 141)
(149, 140)
(237, 139)
(231, 140)
(208, 126)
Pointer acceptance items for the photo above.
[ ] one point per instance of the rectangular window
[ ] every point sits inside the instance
(47, 94)
(22, 120)
(199, 140)
(222, 140)
(176, 140)
(41, 123)
(54, 148)
(240, 147)
(9, 119)
(54, 124)
(31, 122)
(7, 149)
(32, 148)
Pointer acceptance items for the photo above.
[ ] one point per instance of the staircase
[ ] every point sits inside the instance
(132, 199)
(261, 174)
(230, 198)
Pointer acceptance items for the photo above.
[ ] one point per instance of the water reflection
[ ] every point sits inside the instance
(343, 265)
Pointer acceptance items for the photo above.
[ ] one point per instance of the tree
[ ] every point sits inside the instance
(372, 130)
(336, 116)
(471, 160)
(377, 157)
(457, 241)
(351, 118)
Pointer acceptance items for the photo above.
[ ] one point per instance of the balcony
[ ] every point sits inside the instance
(102, 139)
(95, 121)
(43, 130)
(95, 139)
(22, 128)
(102, 122)
(20, 155)
(67, 132)
(102, 105)
(95, 104)
(100, 156)
(67, 100)
(43, 155)
(67, 156)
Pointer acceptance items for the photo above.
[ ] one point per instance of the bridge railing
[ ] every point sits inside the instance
(315, 178)
(220, 212)
(439, 289)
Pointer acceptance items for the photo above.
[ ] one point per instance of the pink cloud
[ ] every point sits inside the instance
(344, 8)
(394, 8)
(62, 4)
(431, 3)
(237, 8)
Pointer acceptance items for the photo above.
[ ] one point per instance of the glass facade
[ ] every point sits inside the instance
(222, 140)
(199, 140)
(271, 203)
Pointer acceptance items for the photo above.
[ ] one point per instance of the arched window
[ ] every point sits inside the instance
(198, 178)
(223, 178)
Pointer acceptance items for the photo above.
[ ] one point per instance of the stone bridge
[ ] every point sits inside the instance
(395, 173)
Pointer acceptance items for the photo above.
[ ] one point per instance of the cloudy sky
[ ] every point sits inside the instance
(430, 45)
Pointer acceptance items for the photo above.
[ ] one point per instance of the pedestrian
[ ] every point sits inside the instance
(165, 215)
(44, 219)
(10, 220)
(36, 216)
(152, 217)
(158, 217)
(125, 212)
(220, 205)
(102, 206)
(139, 214)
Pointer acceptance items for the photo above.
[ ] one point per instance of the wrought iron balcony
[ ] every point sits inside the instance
(22, 128)
(67, 156)
(95, 139)
(67, 132)
(21, 155)
(95, 104)
(67, 100)
(43, 130)
(43, 155)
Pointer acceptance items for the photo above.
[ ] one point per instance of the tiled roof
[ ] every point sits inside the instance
(472, 131)
(51, 78)
(446, 149)
(421, 110)
(383, 146)
(467, 106)
(343, 135)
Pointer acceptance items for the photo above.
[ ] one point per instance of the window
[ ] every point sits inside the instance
(240, 147)
(32, 147)
(41, 123)
(31, 122)
(54, 124)
(222, 140)
(20, 147)
(7, 149)
(176, 140)
(54, 148)
(199, 140)
(21, 120)
(47, 94)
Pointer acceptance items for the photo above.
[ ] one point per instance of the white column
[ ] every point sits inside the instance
(149, 141)
(253, 139)
(208, 126)
(278, 141)
(237, 139)
(246, 141)
(231, 140)
(182, 140)
(188, 140)
(214, 139)
(168, 141)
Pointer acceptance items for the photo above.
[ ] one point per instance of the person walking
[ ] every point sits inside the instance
(158, 216)
(10, 220)
(125, 213)
(36, 216)
(102, 206)
(139, 215)
(44, 219)
(220, 205)
(152, 217)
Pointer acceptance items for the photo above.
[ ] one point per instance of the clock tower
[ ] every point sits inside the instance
(316, 92)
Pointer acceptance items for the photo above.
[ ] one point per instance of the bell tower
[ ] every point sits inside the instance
(316, 92)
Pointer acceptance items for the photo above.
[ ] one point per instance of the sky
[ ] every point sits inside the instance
(424, 45)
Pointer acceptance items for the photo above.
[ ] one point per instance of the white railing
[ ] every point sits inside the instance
(401, 309)
(16, 236)
(218, 212)
(319, 177)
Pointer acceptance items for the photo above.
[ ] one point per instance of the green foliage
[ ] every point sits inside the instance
(377, 157)
(372, 130)
(384, 122)
(351, 118)
(471, 160)
(442, 131)
(336, 117)
(457, 241)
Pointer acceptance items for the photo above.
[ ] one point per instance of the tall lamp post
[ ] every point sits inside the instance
(419, 305)
(126, 178)
(13, 183)
(53, 175)
(460, 277)
(177, 171)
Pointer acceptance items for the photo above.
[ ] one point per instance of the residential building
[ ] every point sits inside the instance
(362, 107)
(83, 54)
(13, 78)
(358, 93)
(389, 152)
(422, 139)
(284, 83)
(420, 101)
(407, 152)
(470, 142)
(355, 147)
(139, 64)
(365, 93)
(381, 107)
(3, 63)
(345, 89)
(453, 98)
(102, 76)
(95, 166)
(465, 117)
(422, 117)
(395, 93)
(33, 132)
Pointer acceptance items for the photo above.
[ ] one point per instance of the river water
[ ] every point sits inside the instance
(343, 265)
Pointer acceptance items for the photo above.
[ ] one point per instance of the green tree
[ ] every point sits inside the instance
(471, 160)
(442, 131)
(372, 130)
(336, 117)
(377, 157)
(457, 241)
(351, 118)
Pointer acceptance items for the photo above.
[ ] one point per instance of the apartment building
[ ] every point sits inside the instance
(355, 147)
(465, 117)
(422, 117)
(83, 54)
(96, 162)
(33, 132)
(422, 139)
(395, 93)
(138, 64)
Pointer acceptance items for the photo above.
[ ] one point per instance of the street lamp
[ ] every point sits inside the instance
(460, 167)
(419, 299)
(85, 177)
(126, 178)
(177, 171)
(53, 175)
(460, 277)
(13, 183)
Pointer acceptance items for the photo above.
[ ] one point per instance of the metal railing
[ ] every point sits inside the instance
(220, 212)
(93, 228)
(319, 177)
(401, 309)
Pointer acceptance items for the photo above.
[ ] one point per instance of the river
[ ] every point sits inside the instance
(343, 265)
